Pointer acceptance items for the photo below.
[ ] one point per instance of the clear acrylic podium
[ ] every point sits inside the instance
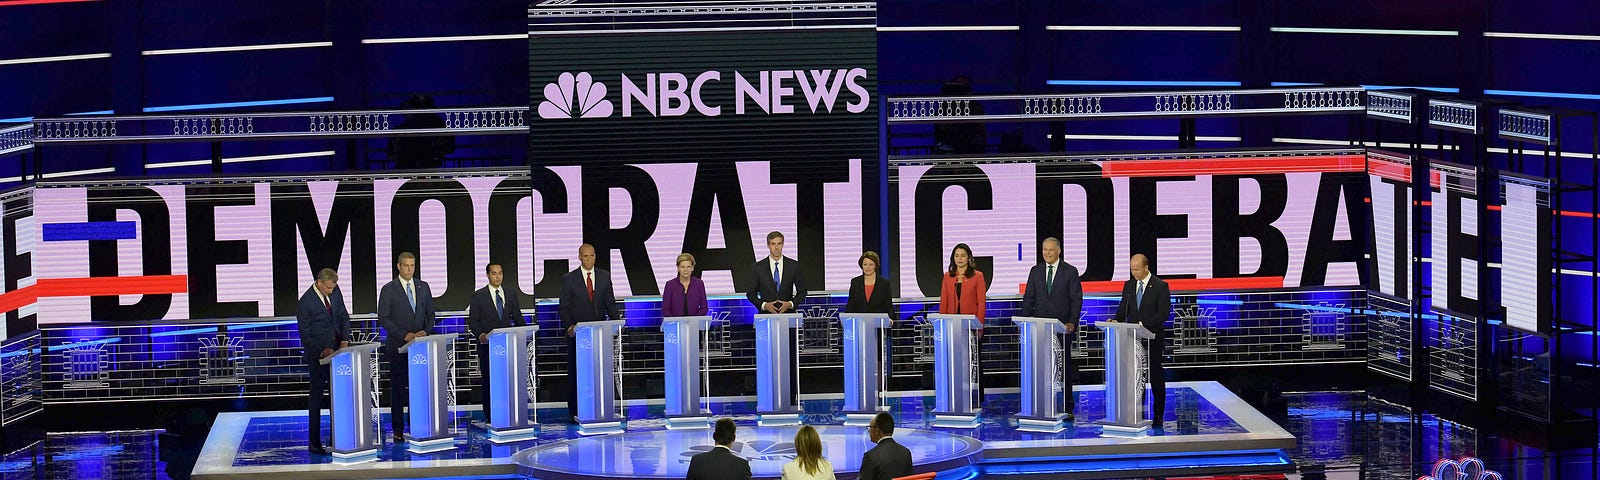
(354, 433)
(682, 345)
(776, 364)
(598, 376)
(511, 372)
(429, 358)
(955, 365)
(1124, 381)
(863, 365)
(1039, 342)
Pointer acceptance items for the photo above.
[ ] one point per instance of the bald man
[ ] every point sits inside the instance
(586, 296)
(1147, 300)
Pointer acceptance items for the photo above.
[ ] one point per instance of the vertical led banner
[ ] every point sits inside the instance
(1455, 238)
(1525, 252)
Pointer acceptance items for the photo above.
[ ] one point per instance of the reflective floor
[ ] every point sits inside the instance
(1341, 435)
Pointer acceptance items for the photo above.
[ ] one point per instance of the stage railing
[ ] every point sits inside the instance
(278, 125)
(1101, 106)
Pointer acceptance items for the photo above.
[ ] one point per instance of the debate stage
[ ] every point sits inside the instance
(1207, 429)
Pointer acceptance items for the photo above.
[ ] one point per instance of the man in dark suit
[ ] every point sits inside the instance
(779, 284)
(1054, 291)
(719, 463)
(324, 326)
(586, 296)
(405, 310)
(1147, 300)
(889, 459)
(492, 307)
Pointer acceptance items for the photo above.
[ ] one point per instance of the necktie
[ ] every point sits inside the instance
(411, 297)
(327, 305)
(499, 305)
(1139, 300)
(588, 279)
(1049, 279)
(776, 278)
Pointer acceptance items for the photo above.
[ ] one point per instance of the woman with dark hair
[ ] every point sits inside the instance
(963, 293)
(869, 292)
(808, 463)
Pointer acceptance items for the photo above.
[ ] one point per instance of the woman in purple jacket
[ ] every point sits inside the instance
(684, 296)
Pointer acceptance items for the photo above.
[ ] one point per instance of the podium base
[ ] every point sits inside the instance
(358, 455)
(1138, 429)
(688, 422)
(512, 434)
(777, 419)
(429, 445)
(1042, 424)
(600, 428)
(955, 420)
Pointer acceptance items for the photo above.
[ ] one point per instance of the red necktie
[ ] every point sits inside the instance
(327, 305)
(588, 278)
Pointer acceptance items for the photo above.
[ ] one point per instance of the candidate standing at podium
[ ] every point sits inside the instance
(685, 294)
(964, 291)
(779, 286)
(1147, 300)
(1054, 291)
(405, 310)
(871, 293)
(586, 296)
(324, 326)
(492, 307)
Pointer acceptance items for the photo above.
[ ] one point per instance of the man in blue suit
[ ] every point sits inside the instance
(586, 296)
(1054, 291)
(492, 307)
(324, 326)
(405, 310)
(1147, 300)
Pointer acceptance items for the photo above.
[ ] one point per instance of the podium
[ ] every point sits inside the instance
(1042, 364)
(863, 365)
(682, 345)
(1124, 381)
(354, 433)
(511, 371)
(776, 363)
(597, 375)
(954, 370)
(428, 358)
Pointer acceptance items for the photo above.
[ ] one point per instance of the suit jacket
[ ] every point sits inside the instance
(576, 306)
(482, 316)
(791, 289)
(1155, 310)
(973, 291)
(396, 316)
(887, 460)
(718, 464)
(1062, 301)
(676, 303)
(319, 327)
(881, 300)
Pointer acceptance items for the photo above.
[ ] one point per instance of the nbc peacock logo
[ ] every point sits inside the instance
(575, 96)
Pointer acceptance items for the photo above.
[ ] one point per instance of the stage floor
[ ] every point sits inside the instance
(1206, 428)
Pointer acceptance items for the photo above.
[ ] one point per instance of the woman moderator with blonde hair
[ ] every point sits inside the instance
(684, 295)
(808, 463)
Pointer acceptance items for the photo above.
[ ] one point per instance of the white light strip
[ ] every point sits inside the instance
(1541, 36)
(238, 48)
(1173, 138)
(1137, 28)
(462, 38)
(688, 30)
(63, 58)
(1425, 146)
(257, 158)
(10, 179)
(1367, 31)
(967, 28)
(74, 173)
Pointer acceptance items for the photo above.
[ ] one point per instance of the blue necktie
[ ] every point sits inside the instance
(776, 281)
(499, 304)
(411, 297)
(1139, 300)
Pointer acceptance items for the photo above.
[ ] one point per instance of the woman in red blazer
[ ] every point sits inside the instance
(964, 287)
